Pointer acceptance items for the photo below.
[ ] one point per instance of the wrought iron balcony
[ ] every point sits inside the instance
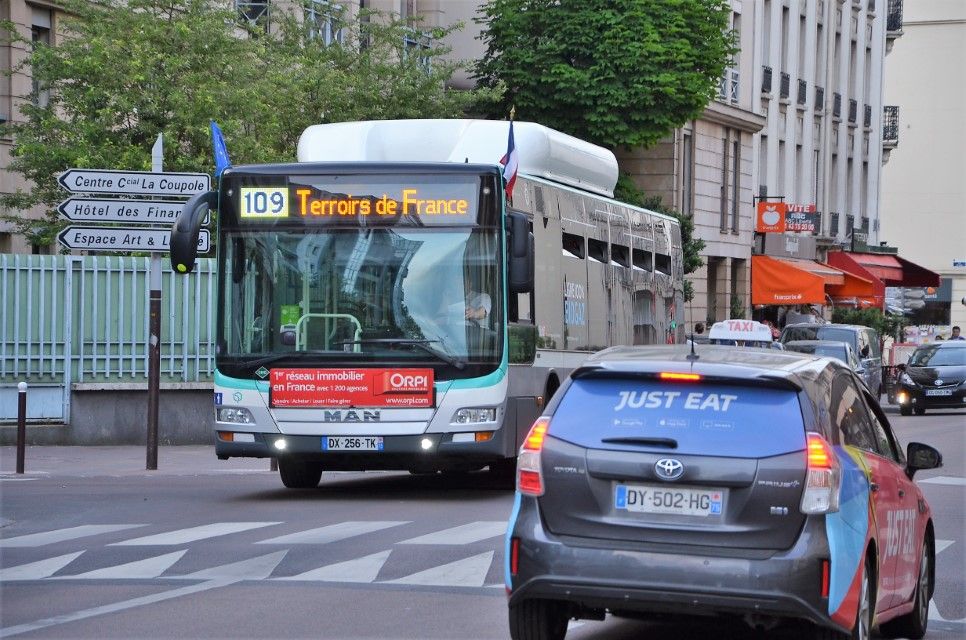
(837, 105)
(802, 91)
(853, 111)
(890, 125)
(867, 121)
(820, 99)
(894, 18)
(833, 224)
(766, 79)
(785, 87)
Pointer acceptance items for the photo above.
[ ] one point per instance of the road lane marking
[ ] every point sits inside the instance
(8, 632)
(193, 534)
(137, 570)
(469, 572)
(463, 534)
(953, 481)
(363, 570)
(63, 535)
(38, 570)
(335, 532)
(943, 544)
(258, 568)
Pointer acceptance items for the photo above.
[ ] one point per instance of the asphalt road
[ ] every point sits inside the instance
(93, 546)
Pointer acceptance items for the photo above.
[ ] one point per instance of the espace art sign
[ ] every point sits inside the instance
(294, 388)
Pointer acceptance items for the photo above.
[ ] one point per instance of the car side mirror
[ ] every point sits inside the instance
(901, 367)
(921, 456)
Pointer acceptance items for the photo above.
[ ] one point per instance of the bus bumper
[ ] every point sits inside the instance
(423, 452)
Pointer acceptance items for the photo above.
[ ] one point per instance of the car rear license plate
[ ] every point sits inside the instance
(682, 501)
(939, 392)
(352, 443)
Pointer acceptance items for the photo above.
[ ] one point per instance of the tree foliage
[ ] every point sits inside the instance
(129, 70)
(615, 72)
(886, 324)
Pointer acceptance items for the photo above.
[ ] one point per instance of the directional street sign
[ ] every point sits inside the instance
(123, 239)
(164, 212)
(141, 183)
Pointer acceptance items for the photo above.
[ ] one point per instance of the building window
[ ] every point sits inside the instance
(324, 20)
(417, 44)
(254, 13)
(687, 174)
(833, 225)
(40, 36)
(735, 181)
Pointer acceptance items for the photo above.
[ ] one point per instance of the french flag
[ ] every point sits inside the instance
(510, 163)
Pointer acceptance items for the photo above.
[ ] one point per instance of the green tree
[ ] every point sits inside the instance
(886, 324)
(614, 72)
(128, 70)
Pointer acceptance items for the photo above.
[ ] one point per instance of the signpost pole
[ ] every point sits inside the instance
(154, 331)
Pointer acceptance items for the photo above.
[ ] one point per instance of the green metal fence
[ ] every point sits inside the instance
(69, 320)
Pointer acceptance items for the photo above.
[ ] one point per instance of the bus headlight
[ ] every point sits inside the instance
(474, 415)
(234, 415)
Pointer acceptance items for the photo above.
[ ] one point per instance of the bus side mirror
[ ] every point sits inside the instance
(518, 234)
(184, 233)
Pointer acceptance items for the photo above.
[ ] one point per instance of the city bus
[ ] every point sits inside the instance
(382, 304)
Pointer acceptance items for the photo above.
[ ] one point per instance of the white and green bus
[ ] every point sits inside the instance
(381, 304)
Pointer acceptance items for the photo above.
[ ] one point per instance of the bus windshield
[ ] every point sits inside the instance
(354, 296)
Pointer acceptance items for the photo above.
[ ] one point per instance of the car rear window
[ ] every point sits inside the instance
(702, 419)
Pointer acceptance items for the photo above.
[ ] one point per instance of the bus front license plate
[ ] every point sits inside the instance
(680, 501)
(352, 443)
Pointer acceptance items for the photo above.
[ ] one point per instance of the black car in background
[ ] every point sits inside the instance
(934, 378)
(764, 485)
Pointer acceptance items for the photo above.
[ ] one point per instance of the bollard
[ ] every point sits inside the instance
(21, 424)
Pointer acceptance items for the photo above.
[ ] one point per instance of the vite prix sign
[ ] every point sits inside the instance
(801, 218)
(140, 183)
(125, 211)
(123, 239)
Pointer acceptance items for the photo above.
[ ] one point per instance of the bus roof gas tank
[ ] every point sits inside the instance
(543, 152)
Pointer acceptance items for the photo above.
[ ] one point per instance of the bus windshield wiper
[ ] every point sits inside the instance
(420, 343)
(275, 357)
(654, 442)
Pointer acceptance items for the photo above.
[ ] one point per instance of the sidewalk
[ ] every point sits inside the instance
(123, 461)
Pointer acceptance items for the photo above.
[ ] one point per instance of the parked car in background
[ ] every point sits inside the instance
(841, 351)
(737, 482)
(863, 340)
(934, 378)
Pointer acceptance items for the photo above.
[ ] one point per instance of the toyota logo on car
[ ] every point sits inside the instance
(668, 469)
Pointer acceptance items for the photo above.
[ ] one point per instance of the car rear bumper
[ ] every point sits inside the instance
(599, 574)
(916, 397)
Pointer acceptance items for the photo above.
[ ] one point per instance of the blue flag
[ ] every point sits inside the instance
(221, 152)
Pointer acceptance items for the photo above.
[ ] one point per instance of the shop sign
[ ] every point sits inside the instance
(801, 218)
(770, 217)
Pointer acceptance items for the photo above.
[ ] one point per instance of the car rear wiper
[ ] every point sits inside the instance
(420, 343)
(670, 443)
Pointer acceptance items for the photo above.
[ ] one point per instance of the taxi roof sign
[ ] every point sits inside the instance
(746, 330)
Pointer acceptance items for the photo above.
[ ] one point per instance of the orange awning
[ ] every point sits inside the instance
(775, 281)
(856, 291)
(831, 275)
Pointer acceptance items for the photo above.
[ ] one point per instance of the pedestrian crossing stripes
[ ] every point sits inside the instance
(149, 568)
(334, 532)
(63, 535)
(463, 534)
(193, 534)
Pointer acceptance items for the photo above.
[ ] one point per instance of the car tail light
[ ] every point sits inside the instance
(529, 477)
(823, 478)
(514, 555)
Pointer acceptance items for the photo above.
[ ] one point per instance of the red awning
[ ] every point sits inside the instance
(891, 270)
(857, 292)
(775, 281)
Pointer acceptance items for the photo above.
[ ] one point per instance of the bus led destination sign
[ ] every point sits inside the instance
(380, 204)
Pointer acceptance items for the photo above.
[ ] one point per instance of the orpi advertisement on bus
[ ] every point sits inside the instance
(304, 388)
